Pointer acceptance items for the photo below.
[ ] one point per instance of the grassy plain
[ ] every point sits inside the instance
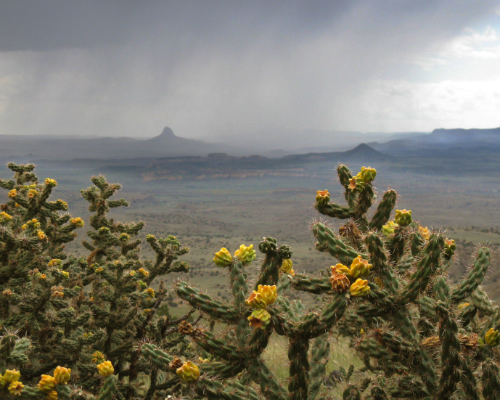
(209, 214)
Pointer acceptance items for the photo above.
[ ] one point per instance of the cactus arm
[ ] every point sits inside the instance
(491, 381)
(218, 347)
(344, 175)
(328, 242)
(380, 262)
(384, 209)
(269, 385)
(317, 325)
(334, 210)
(403, 321)
(299, 368)
(427, 370)
(320, 353)
(441, 289)
(469, 383)
(239, 284)
(365, 201)
(108, 389)
(450, 356)
(481, 301)
(312, 285)
(425, 267)
(475, 276)
(222, 370)
(282, 318)
(206, 304)
(270, 270)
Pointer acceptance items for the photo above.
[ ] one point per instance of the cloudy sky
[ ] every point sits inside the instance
(206, 68)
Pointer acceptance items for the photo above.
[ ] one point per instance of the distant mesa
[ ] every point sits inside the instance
(167, 134)
(365, 152)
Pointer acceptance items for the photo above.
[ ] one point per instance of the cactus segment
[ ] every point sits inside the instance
(384, 209)
(327, 241)
(475, 276)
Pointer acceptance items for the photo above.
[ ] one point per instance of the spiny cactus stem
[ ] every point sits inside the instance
(299, 368)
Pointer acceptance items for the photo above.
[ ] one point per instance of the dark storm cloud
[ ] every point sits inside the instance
(207, 67)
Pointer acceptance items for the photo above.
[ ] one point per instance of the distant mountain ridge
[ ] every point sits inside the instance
(167, 144)
(442, 139)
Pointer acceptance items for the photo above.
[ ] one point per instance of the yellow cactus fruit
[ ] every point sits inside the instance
(17, 205)
(124, 237)
(62, 204)
(269, 293)
(62, 375)
(16, 388)
(359, 288)
(55, 262)
(223, 258)
(50, 182)
(322, 197)
(359, 267)
(259, 318)
(51, 396)
(340, 269)
(426, 233)
(32, 193)
(78, 222)
(151, 292)
(13, 193)
(47, 384)
(287, 267)
(11, 375)
(189, 372)
(340, 282)
(256, 300)
(492, 337)
(105, 369)
(4, 217)
(41, 235)
(403, 217)
(245, 254)
(463, 305)
(2, 381)
(143, 272)
(368, 174)
(389, 229)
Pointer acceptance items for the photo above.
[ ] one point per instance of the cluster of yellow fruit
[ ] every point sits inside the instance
(11, 380)
(366, 175)
(105, 369)
(4, 217)
(189, 372)
(259, 300)
(223, 258)
(492, 337)
(48, 383)
(341, 277)
(287, 267)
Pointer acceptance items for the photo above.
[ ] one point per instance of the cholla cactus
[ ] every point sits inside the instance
(60, 316)
(388, 292)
